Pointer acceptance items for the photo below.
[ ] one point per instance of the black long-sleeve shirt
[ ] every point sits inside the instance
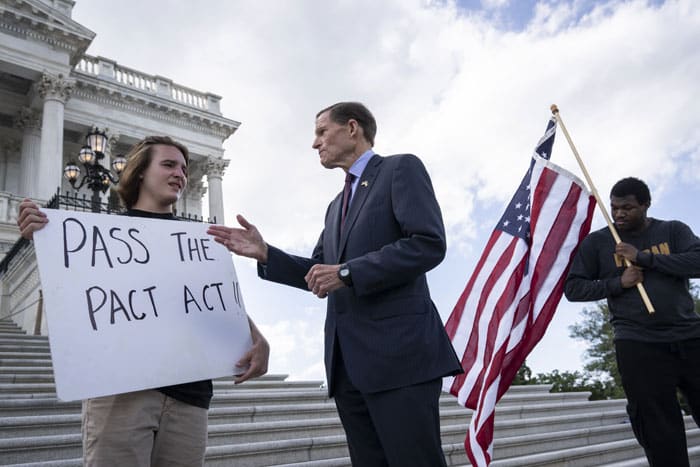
(669, 254)
(197, 393)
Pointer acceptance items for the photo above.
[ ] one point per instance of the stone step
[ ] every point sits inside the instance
(582, 446)
(23, 344)
(10, 332)
(591, 454)
(23, 339)
(528, 388)
(27, 355)
(508, 428)
(289, 451)
(240, 395)
(337, 462)
(26, 378)
(222, 413)
(46, 377)
(523, 446)
(39, 425)
(271, 390)
(41, 448)
(278, 428)
(227, 384)
(41, 362)
(6, 323)
(277, 452)
(693, 457)
(52, 463)
(28, 388)
(28, 370)
(31, 406)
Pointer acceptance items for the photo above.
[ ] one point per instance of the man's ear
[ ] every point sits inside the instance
(354, 127)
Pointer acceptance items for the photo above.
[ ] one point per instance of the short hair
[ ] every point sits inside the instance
(632, 186)
(344, 111)
(137, 161)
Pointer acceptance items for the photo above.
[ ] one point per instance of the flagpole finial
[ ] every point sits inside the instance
(554, 109)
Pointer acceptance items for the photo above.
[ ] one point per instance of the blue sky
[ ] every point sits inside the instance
(515, 15)
(467, 87)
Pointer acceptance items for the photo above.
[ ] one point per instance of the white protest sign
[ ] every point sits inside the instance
(137, 303)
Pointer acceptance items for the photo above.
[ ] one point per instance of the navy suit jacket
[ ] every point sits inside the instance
(386, 325)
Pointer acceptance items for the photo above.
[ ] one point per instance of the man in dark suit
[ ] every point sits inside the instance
(386, 349)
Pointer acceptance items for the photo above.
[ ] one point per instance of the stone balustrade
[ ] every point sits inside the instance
(109, 70)
(8, 207)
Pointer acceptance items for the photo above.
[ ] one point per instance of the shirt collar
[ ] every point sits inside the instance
(359, 166)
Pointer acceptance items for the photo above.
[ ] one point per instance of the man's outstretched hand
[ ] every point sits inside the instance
(245, 241)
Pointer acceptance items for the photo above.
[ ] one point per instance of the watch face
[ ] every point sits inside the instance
(344, 272)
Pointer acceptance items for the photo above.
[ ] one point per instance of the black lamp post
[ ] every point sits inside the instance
(97, 177)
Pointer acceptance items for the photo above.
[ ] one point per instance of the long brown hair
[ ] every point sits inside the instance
(137, 161)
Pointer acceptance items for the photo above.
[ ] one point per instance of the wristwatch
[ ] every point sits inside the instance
(344, 275)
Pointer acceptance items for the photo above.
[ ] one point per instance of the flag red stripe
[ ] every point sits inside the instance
(504, 302)
(456, 316)
(471, 351)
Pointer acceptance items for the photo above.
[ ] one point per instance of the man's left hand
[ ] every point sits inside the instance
(256, 359)
(627, 251)
(323, 279)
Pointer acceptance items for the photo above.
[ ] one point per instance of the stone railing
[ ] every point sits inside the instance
(109, 70)
(8, 207)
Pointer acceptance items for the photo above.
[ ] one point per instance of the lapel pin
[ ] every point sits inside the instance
(365, 183)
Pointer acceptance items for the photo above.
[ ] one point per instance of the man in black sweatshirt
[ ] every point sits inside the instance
(656, 353)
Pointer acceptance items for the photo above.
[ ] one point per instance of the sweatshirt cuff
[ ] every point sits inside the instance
(614, 286)
(644, 259)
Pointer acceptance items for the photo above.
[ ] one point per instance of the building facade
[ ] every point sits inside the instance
(51, 95)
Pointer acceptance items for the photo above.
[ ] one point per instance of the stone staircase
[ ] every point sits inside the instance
(274, 422)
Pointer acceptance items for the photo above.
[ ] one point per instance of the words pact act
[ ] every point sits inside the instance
(118, 246)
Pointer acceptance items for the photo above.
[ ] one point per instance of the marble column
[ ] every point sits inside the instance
(4, 162)
(215, 172)
(193, 198)
(9, 149)
(29, 121)
(55, 91)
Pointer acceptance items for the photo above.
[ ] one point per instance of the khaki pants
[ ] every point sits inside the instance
(143, 429)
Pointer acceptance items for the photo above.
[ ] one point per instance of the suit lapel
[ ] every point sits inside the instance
(365, 184)
(332, 230)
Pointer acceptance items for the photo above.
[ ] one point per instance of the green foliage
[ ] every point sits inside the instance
(523, 376)
(567, 381)
(596, 330)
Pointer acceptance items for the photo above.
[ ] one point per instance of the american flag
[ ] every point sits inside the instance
(515, 289)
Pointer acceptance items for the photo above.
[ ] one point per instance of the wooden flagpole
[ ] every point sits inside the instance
(611, 226)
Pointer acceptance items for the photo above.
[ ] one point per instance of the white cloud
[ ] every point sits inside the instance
(469, 98)
(494, 4)
(296, 343)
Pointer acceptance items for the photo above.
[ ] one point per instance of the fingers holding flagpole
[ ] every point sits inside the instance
(599, 201)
